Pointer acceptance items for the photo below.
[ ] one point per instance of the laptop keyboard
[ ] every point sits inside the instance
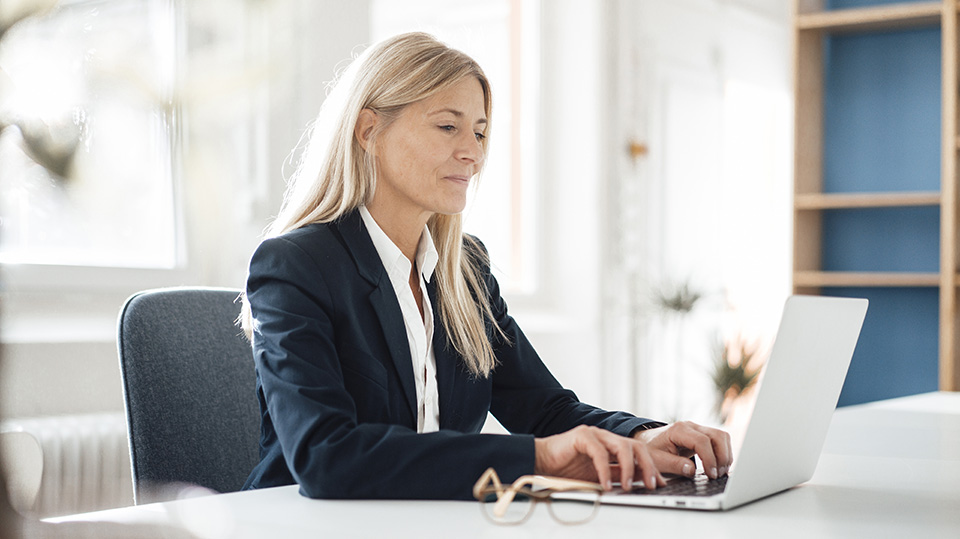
(701, 485)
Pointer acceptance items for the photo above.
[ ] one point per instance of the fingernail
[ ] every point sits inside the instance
(724, 470)
(608, 485)
(688, 469)
(712, 473)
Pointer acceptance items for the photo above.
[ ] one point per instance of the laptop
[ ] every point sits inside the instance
(795, 402)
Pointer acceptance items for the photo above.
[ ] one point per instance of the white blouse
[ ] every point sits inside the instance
(419, 330)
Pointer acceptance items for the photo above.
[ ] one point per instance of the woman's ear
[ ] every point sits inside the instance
(364, 129)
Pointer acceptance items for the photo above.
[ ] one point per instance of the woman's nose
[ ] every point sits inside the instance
(471, 150)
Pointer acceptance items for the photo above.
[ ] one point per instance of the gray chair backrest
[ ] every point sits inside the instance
(189, 391)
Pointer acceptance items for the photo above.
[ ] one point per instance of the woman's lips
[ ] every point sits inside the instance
(456, 178)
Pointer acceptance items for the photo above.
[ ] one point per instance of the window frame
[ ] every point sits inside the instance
(38, 278)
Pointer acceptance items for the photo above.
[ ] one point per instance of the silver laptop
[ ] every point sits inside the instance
(795, 401)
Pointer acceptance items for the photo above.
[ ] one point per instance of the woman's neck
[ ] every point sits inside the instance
(403, 228)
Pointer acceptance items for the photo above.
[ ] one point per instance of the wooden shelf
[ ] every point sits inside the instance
(895, 16)
(813, 62)
(843, 278)
(829, 201)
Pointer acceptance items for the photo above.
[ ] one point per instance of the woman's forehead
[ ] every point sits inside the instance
(464, 99)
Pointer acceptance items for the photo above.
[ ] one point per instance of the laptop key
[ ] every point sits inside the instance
(701, 485)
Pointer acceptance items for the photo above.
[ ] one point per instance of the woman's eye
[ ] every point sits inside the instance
(449, 128)
(480, 137)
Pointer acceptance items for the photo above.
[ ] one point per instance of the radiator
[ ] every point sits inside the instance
(86, 463)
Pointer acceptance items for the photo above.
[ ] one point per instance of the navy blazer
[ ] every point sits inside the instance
(336, 388)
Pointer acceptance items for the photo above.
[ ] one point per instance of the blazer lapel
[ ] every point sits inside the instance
(446, 365)
(383, 300)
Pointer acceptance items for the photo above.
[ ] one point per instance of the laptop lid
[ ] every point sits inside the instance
(797, 396)
(798, 393)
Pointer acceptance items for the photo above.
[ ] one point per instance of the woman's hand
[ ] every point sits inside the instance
(594, 454)
(590, 454)
(672, 446)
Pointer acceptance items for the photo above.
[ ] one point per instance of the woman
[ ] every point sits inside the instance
(380, 337)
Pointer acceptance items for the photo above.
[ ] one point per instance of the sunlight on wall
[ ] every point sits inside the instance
(755, 191)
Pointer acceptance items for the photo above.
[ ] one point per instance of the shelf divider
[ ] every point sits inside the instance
(816, 279)
(895, 16)
(827, 201)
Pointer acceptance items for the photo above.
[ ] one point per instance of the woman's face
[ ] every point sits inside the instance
(428, 156)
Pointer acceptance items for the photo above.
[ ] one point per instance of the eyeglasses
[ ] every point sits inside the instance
(569, 501)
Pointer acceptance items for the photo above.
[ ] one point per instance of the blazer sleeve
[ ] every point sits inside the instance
(327, 451)
(526, 397)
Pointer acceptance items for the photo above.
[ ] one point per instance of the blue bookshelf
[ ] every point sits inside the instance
(869, 195)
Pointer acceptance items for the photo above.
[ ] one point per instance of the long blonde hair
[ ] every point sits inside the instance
(335, 176)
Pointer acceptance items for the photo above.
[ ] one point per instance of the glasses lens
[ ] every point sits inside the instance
(574, 507)
(513, 513)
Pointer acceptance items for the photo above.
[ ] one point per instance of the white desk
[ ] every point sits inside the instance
(889, 469)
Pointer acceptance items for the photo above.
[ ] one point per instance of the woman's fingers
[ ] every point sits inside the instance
(651, 472)
(715, 443)
(562, 455)
(628, 454)
(726, 450)
(711, 445)
(593, 454)
(672, 464)
(588, 443)
(621, 449)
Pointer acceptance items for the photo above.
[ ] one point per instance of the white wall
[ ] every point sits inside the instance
(59, 338)
(606, 69)
(705, 86)
(562, 320)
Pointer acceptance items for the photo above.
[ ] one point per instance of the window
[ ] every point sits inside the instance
(98, 75)
(502, 36)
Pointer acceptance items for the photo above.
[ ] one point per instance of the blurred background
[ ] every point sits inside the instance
(636, 201)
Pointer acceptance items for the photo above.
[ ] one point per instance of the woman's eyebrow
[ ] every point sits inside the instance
(456, 113)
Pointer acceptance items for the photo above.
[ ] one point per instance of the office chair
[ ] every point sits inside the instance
(189, 391)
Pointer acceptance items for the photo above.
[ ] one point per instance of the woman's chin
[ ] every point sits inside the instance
(452, 208)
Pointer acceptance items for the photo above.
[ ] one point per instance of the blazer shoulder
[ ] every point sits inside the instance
(342, 249)
(309, 235)
(314, 246)
(312, 239)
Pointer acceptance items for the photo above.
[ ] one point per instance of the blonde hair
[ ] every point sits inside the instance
(335, 176)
